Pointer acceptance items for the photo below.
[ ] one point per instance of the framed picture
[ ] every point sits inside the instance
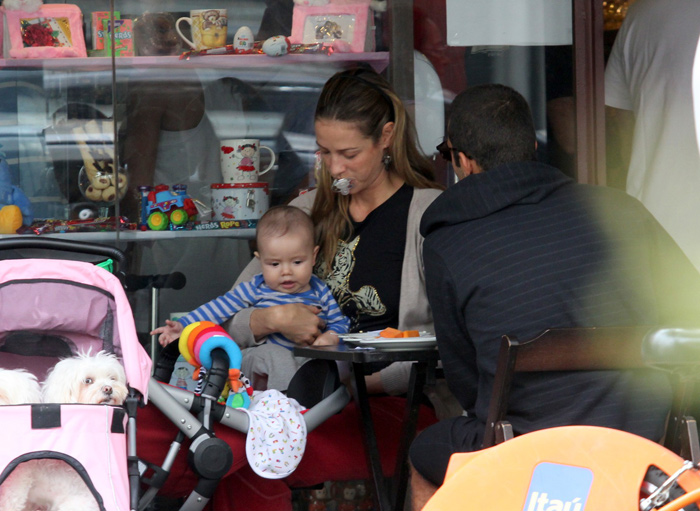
(53, 31)
(346, 23)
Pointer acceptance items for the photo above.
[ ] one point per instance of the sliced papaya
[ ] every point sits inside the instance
(390, 333)
(410, 333)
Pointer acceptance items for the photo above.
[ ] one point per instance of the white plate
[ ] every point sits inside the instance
(373, 340)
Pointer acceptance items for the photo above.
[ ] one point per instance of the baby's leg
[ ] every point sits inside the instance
(270, 366)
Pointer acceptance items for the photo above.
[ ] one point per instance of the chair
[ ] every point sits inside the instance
(602, 348)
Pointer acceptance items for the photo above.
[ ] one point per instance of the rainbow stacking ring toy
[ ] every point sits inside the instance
(199, 339)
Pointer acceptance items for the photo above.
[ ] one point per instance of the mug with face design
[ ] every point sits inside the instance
(240, 160)
(208, 26)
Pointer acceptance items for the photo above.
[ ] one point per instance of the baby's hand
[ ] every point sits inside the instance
(329, 338)
(168, 333)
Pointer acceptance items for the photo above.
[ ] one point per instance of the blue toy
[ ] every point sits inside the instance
(13, 195)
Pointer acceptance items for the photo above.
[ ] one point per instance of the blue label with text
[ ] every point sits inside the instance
(555, 487)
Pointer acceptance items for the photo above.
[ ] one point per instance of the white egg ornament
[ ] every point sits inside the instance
(243, 40)
(276, 46)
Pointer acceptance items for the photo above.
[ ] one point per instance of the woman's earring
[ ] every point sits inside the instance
(386, 160)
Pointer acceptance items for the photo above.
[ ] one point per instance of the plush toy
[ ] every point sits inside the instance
(22, 5)
(13, 198)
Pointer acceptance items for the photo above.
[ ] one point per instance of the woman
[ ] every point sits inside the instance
(372, 188)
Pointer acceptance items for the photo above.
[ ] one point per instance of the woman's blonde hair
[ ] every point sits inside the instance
(362, 97)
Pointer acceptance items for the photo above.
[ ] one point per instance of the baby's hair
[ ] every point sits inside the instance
(279, 220)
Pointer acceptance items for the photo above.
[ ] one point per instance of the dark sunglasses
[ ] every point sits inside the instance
(446, 151)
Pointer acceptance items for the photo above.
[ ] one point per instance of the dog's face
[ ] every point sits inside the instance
(89, 379)
(18, 386)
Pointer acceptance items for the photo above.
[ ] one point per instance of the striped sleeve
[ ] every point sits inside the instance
(220, 309)
(331, 313)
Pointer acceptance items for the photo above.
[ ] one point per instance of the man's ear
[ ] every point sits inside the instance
(467, 165)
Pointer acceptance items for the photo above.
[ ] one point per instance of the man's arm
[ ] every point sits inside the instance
(457, 351)
(619, 133)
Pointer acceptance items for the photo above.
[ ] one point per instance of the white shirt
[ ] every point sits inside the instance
(650, 73)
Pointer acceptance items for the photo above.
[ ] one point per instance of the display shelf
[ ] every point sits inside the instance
(148, 235)
(378, 60)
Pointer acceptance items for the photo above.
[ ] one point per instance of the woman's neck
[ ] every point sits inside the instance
(363, 203)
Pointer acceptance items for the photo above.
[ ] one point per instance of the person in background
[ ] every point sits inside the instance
(517, 247)
(286, 251)
(648, 94)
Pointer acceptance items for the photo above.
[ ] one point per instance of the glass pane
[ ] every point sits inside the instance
(527, 46)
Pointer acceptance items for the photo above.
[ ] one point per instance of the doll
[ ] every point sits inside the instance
(318, 499)
(348, 503)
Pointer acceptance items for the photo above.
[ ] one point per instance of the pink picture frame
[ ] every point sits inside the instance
(350, 24)
(53, 31)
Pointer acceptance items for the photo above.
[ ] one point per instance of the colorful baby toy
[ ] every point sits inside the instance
(197, 342)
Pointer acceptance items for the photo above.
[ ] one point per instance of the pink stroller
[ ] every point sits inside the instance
(51, 309)
(56, 301)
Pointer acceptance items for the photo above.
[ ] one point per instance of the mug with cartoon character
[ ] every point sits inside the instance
(240, 201)
(240, 160)
(208, 28)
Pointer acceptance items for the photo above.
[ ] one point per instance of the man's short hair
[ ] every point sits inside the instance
(492, 124)
(279, 220)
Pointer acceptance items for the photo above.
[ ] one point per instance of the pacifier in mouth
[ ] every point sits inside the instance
(342, 186)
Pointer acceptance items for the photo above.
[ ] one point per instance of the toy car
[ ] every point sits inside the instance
(165, 209)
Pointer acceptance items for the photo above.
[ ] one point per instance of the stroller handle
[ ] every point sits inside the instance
(59, 245)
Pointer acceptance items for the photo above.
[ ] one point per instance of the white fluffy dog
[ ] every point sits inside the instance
(18, 386)
(92, 379)
(49, 484)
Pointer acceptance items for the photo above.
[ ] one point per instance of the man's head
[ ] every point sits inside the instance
(490, 125)
(285, 239)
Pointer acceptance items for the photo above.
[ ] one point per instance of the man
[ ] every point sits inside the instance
(516, 247)
(648, 91)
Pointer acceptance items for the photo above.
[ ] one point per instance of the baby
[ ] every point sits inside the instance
(285, 240)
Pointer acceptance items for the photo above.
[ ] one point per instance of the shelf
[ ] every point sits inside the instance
(138, 236)
(378, 60)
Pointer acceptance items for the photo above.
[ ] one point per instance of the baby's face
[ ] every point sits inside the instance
(287, 261)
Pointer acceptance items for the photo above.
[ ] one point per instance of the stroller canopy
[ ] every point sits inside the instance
(56, 308)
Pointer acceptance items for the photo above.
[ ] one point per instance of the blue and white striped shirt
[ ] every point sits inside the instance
(255, 293)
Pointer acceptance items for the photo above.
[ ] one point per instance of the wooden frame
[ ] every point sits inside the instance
(598, 348)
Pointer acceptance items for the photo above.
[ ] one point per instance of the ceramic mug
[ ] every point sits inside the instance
(208, 28)
(240, 160)
(242, 201)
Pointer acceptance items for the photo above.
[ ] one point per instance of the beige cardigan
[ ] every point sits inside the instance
(414, 310)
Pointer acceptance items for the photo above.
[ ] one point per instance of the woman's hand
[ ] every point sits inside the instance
(296, 321)
(328, 338)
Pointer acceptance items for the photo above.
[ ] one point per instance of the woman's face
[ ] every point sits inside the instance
(349, 154)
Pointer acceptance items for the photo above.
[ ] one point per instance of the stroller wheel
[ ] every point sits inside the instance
(654, 478)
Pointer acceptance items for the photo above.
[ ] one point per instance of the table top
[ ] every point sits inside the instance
(348, 353)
